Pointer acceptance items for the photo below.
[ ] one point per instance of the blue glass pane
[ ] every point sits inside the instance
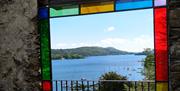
(125, 1)
(133, 4)
(43, 13)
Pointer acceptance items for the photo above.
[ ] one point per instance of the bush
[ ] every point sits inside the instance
(149, 67)
(112, 86)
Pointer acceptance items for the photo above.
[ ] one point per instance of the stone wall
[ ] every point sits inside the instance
(19, 46)
(174, 41)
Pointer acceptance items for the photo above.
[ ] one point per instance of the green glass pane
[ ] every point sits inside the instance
(44, 38)
(64, 10)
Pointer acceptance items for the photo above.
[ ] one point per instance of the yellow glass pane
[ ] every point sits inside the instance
(97, 7)
(161, 86)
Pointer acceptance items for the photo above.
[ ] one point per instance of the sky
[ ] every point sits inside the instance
(130, 31)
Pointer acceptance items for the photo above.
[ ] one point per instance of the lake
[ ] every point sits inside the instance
(91, 68)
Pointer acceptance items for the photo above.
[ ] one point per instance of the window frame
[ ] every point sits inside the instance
(161, 82)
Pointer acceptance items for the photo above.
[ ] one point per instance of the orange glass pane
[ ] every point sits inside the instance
(97, 7)
(161, 86)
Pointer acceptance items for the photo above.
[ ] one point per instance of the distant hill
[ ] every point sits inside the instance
(82, 52)
(144, 52)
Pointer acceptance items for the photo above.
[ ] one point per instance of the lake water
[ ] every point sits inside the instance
(91, 68)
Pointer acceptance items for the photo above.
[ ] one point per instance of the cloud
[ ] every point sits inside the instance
(112, 41)
(61, 45)
(110, 29)
(141, 42)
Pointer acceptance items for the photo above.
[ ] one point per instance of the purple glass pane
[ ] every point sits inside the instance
(160, 2)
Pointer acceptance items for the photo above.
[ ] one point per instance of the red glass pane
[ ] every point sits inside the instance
(161, 47)
(46, 86)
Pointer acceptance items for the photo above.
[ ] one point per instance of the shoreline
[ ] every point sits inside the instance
(95, 56)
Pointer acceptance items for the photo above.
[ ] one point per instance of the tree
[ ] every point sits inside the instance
(149, 66)
(112, 86)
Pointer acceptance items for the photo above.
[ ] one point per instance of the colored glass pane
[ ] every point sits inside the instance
(64, 10)
(44, 38)
(97, 7)
(161, 86)
(43, 13)
(46, 86)
(133, 4)
(160, 2)
(125, 1)
(161, 50)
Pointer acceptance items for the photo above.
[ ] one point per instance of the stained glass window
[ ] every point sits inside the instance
(46, 86)
(97, 7)
(161, 44)
(57, 8)
(133, 4)
(43, 13)
(64, 10)
(162, 86)
(45, 52)
(160, 2)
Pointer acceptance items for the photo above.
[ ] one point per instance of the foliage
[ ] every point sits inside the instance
(82, 52)
(146, 51)
(149, 67)
(66, 56)
(112, 86)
